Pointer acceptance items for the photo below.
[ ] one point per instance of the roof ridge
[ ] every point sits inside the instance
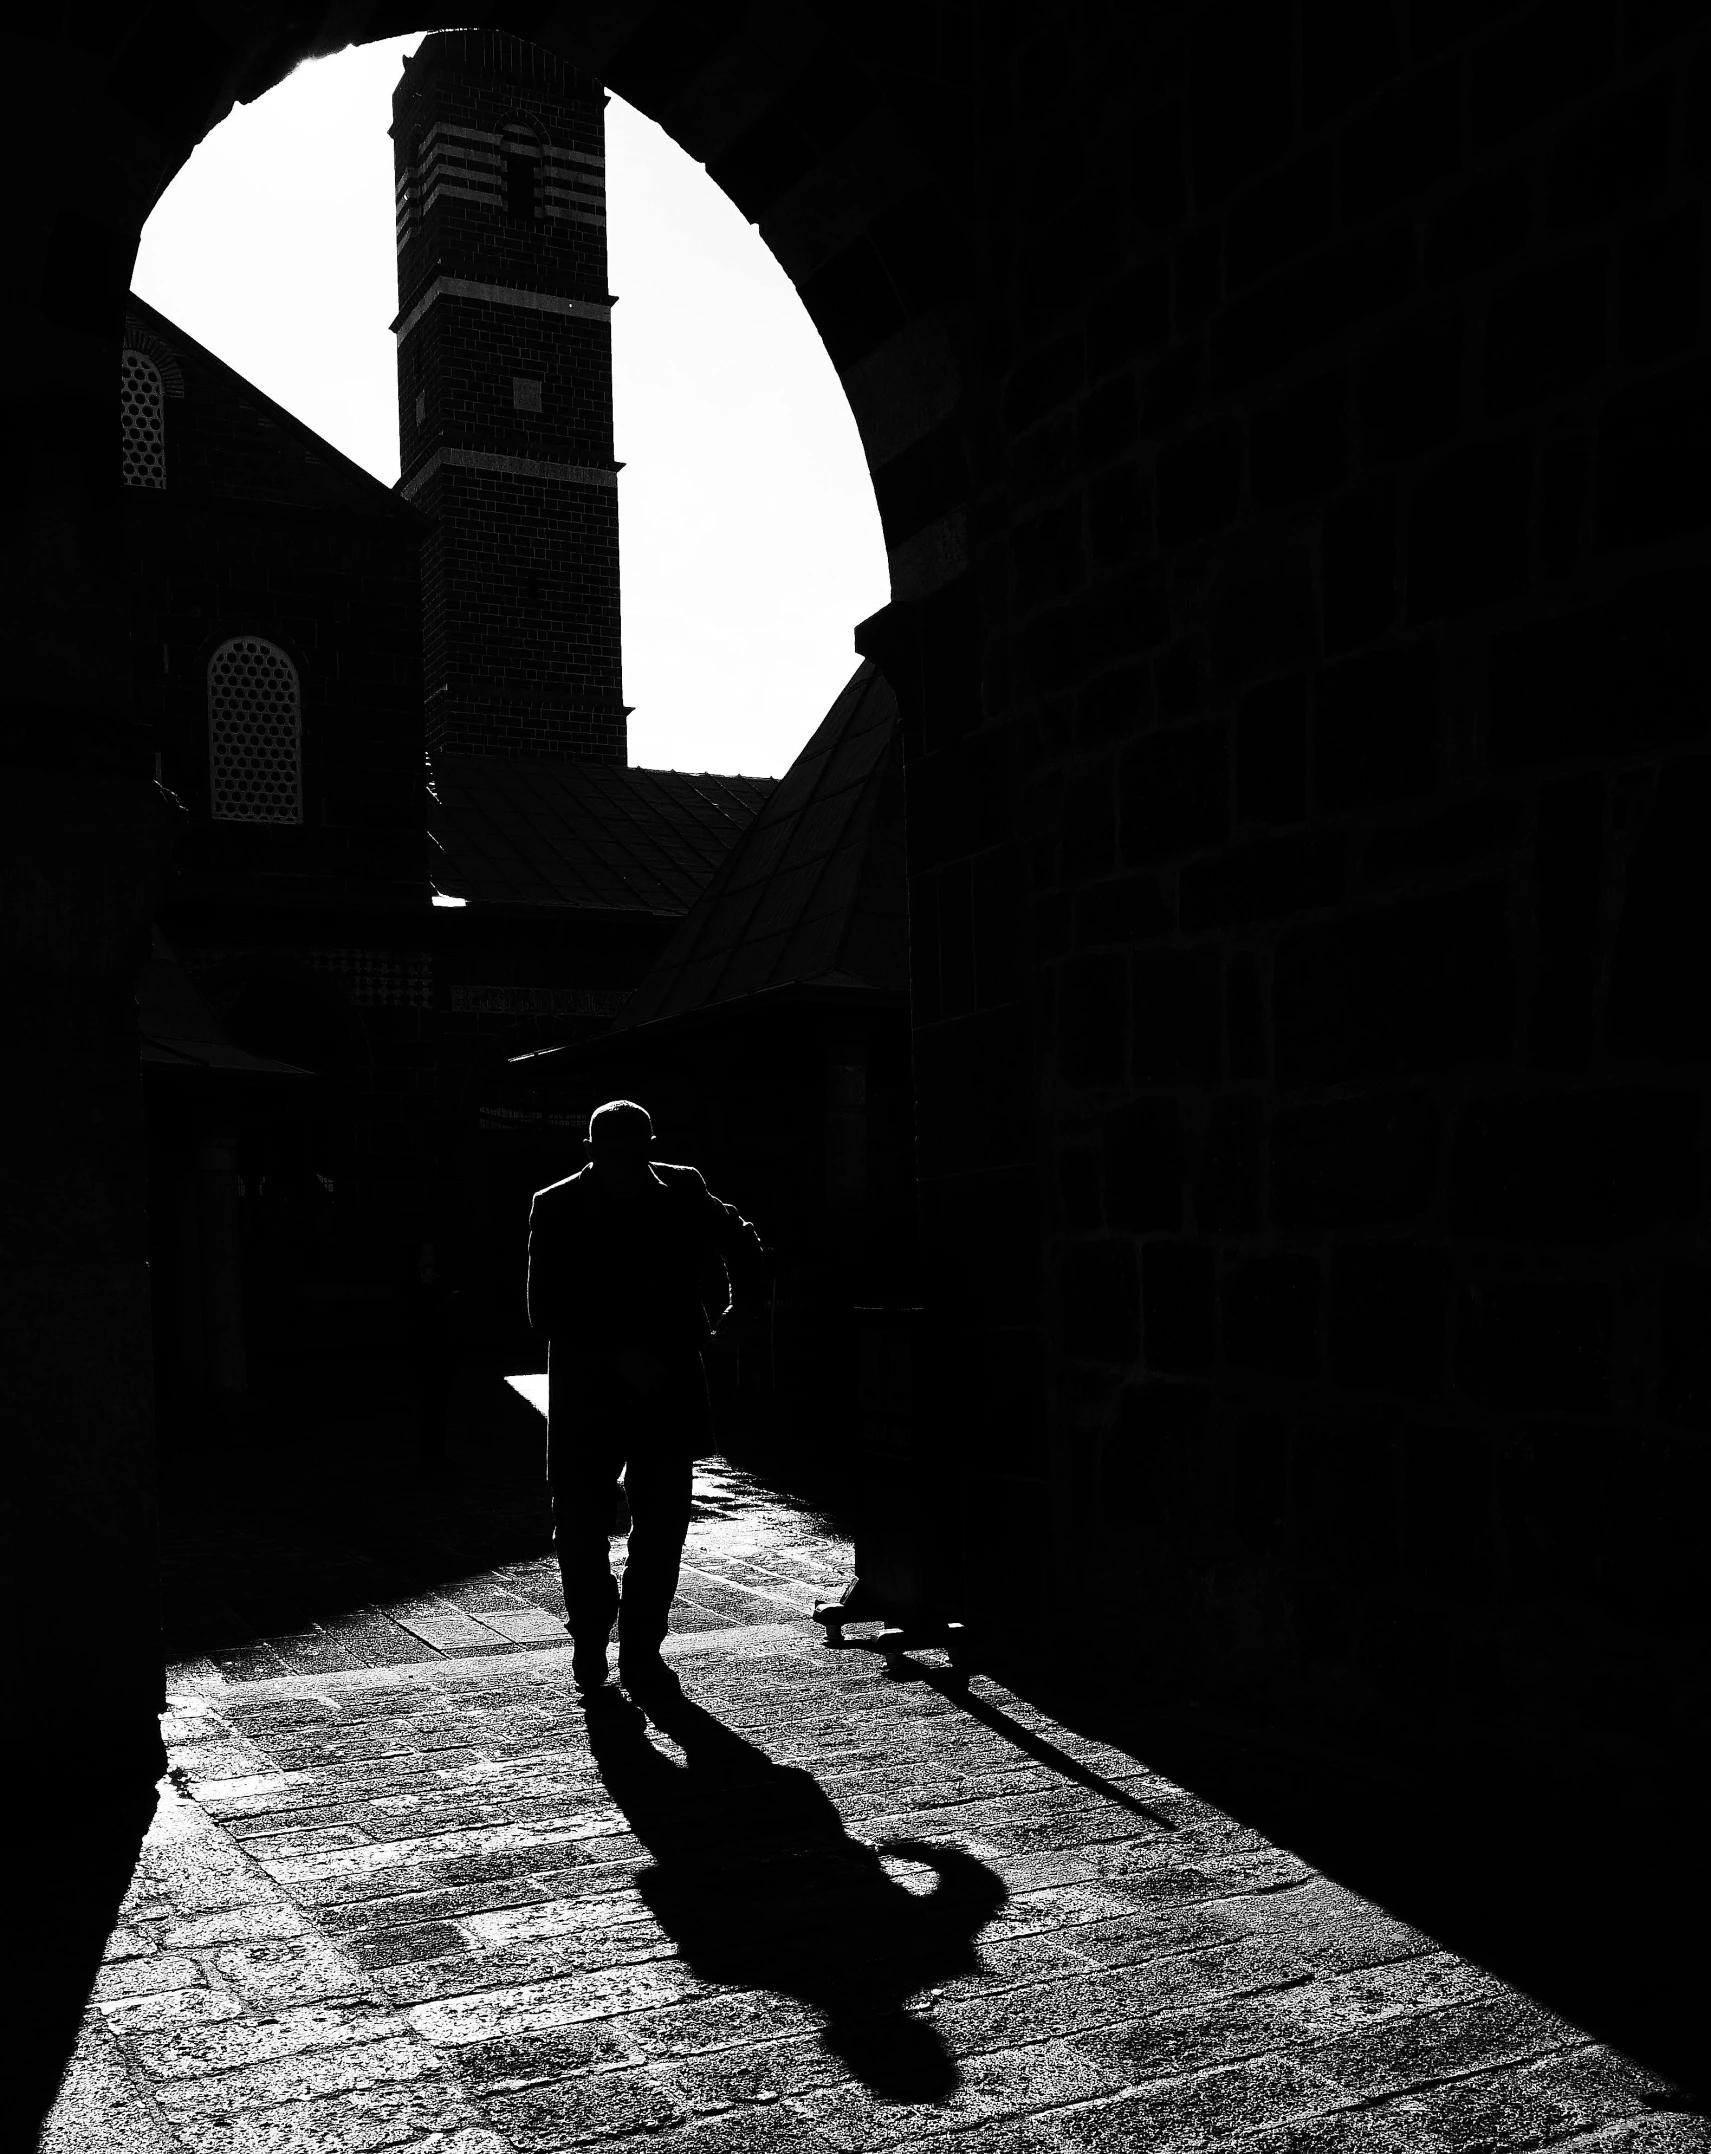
(346, 466)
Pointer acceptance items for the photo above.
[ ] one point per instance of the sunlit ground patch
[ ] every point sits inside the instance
(533, 1388)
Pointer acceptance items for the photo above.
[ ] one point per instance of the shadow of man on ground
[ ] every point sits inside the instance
(758, 1884)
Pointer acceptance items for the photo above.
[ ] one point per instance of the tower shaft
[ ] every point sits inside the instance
(505, 396)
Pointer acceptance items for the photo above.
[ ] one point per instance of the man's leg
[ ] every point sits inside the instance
(660, 1480)
(585, 1448)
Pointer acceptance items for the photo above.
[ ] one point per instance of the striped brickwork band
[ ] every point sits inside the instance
(502, 295)
(467, 163)
(515, 467)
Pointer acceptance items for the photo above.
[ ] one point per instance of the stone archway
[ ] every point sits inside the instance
(830, 132)
(1289, 427)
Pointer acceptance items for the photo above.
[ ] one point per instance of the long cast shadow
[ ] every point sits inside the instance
(757, 1883)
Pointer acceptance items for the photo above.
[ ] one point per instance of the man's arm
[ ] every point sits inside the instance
(535, 1288)
(744, 1258)
(545, 1291)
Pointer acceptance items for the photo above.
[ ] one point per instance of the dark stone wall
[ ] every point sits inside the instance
(1322, 855)
(84, 838)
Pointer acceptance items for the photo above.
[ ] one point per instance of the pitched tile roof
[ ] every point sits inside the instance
(814, 893)
(534, 830)
(246, 445)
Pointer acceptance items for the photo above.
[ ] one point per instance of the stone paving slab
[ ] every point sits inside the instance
(436, 1904)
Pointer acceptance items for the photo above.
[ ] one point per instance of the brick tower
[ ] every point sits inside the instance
(505, 396)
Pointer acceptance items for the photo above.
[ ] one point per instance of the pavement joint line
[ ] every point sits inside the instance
(1062, 1927)
(874, 1824)
(1484, 2070)
(747, 1640)
(827, 1586)
(1230, 2061)
(299, 1818)
(1090, 1973)
(759, 1593)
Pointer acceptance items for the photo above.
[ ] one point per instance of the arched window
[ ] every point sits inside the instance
(142, 420)
(255, 734)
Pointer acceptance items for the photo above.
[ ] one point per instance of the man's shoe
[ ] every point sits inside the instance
(645, 1675)
(588, 1666)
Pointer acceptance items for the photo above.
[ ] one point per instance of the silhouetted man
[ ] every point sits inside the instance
(618, 1257)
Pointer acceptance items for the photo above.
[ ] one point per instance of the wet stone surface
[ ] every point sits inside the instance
(426, 1899)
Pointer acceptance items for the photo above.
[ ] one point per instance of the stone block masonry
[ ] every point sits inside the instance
(505, 398)
(522, 642)
(1358, 877)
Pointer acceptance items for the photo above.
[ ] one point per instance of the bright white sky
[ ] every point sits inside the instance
(751, 543)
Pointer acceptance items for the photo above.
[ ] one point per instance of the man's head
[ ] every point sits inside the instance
(620, 1127)
(620, 1137)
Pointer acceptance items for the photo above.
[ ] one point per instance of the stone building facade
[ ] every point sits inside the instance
(274, 617)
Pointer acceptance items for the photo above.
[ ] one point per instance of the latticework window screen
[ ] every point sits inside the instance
(255, 760)
(142, 420)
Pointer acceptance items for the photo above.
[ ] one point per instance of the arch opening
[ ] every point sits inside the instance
(810, 152)
(306, 735)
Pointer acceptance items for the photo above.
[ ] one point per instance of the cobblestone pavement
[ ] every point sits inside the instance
(429, 1901)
